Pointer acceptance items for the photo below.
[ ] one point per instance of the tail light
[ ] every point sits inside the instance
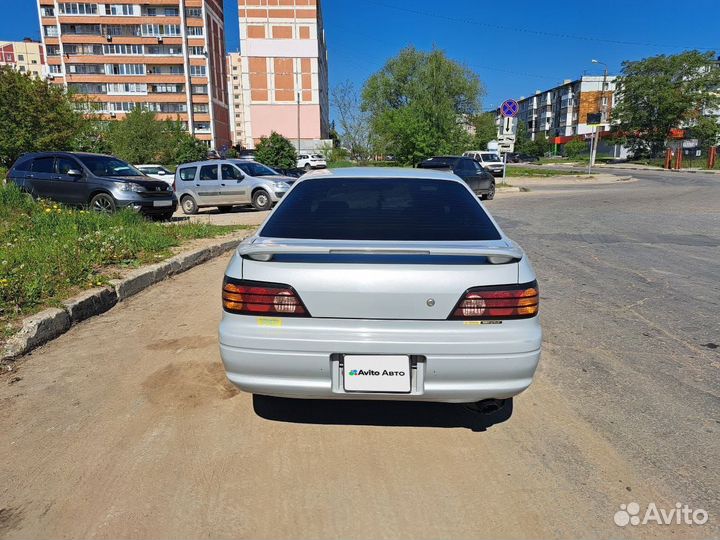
(499, 302)
(259, 298)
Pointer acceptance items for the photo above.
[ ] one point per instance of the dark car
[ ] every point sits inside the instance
(480, 180)
(519, 157)
(102, 183)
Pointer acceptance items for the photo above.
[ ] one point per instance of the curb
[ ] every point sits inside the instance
(507, 189)
(51, 323)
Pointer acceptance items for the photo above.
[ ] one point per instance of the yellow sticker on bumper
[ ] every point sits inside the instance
(269, 321)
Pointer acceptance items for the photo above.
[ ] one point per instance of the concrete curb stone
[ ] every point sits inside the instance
(51, 323)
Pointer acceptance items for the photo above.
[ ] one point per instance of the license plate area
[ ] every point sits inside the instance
(377, 373)
(162, 203)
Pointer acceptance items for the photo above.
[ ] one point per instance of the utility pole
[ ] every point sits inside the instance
(603, 116)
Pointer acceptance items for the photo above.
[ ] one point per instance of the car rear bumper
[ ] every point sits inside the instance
(452, 361)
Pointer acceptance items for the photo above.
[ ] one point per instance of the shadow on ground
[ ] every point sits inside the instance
(377, 413)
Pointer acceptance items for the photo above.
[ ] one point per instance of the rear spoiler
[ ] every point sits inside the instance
(496, 252)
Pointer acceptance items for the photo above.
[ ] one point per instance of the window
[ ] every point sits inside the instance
(121, 9)
(164, 49)
(83, 49)
(256, 169)
(196, 51)
(230, 172)
(188, 173)
(380, 209)
(125, 50)
(172, 12)
(167, 88)
(201, 108)
(93, 69)
(199, 89)
(48, 11)
(50, 31)
(208, 172)
(21, 57)
(44, 165)
(55, 69)
(126, 88)
(160, 30)
(125, 69)
(195, 30)
(108, 166)
(53, 50)
(193, 12)
(197, 71)
(65, 164)
(75, 8)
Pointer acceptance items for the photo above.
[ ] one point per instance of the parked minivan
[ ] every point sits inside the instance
(489, 160)
(103, 183)
(225, 183)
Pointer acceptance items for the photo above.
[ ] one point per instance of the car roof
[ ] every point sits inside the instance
(381, 172)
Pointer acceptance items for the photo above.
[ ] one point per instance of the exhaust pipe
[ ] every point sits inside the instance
(487, 406)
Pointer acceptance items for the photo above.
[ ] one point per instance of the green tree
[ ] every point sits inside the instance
(522, 138)
(421, 104)
(179, 146)
(138, 138)
(706, 130)
(35, 115)
(354, 122)
(485, 130)
(576, 148)
(276, 151)
(662, 92)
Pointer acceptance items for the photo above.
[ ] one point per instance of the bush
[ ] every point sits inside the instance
(576, 148)
(276, 151)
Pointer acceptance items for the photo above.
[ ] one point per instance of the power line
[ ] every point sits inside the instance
(519, 29)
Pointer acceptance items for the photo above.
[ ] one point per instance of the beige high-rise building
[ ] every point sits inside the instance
(283, 72)
(235, 90)
(167, 56)
(26, 56)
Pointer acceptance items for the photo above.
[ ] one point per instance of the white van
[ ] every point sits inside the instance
(489, 160)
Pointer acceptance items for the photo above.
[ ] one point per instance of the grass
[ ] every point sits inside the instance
(49, 252)
(514, 171)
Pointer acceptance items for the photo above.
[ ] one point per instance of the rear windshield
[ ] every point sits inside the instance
(380, 209)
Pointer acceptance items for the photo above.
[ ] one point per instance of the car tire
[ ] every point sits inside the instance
(166, 216)
(225, 209)
(307, 167)
(261, 200)
(490, 195)
(189, 206)
(103, 203)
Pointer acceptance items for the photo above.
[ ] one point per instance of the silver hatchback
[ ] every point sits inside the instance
(381, 284)
(225, 183)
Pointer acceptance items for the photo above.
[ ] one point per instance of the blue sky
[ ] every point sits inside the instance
(515, 47)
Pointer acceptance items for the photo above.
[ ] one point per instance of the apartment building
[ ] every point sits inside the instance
(167, 56)
(283, 73)
(26, 56)
(235, 90)
(561, 113)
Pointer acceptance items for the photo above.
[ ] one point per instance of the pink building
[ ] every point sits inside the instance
(283, 72)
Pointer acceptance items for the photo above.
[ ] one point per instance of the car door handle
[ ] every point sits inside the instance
(222, 185)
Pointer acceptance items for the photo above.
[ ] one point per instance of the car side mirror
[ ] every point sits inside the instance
(74, 172)
(161, 172)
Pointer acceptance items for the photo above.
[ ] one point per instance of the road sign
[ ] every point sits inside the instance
(508, 125)
(506, 146)
(506, 138)
(509, 108)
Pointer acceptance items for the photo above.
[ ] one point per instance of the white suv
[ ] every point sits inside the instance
(489, 160)
(311, 161)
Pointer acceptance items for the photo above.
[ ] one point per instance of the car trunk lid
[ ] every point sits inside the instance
(380, 280)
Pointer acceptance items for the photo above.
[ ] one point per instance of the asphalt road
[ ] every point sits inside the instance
(125, 426)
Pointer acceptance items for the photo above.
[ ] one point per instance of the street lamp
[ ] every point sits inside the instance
(603, 115)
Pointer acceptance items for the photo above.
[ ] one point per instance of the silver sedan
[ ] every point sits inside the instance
(390, 284)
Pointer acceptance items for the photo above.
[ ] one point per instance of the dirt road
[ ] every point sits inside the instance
(126, 427)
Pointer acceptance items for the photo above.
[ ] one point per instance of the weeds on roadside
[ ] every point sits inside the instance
(48, 251)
